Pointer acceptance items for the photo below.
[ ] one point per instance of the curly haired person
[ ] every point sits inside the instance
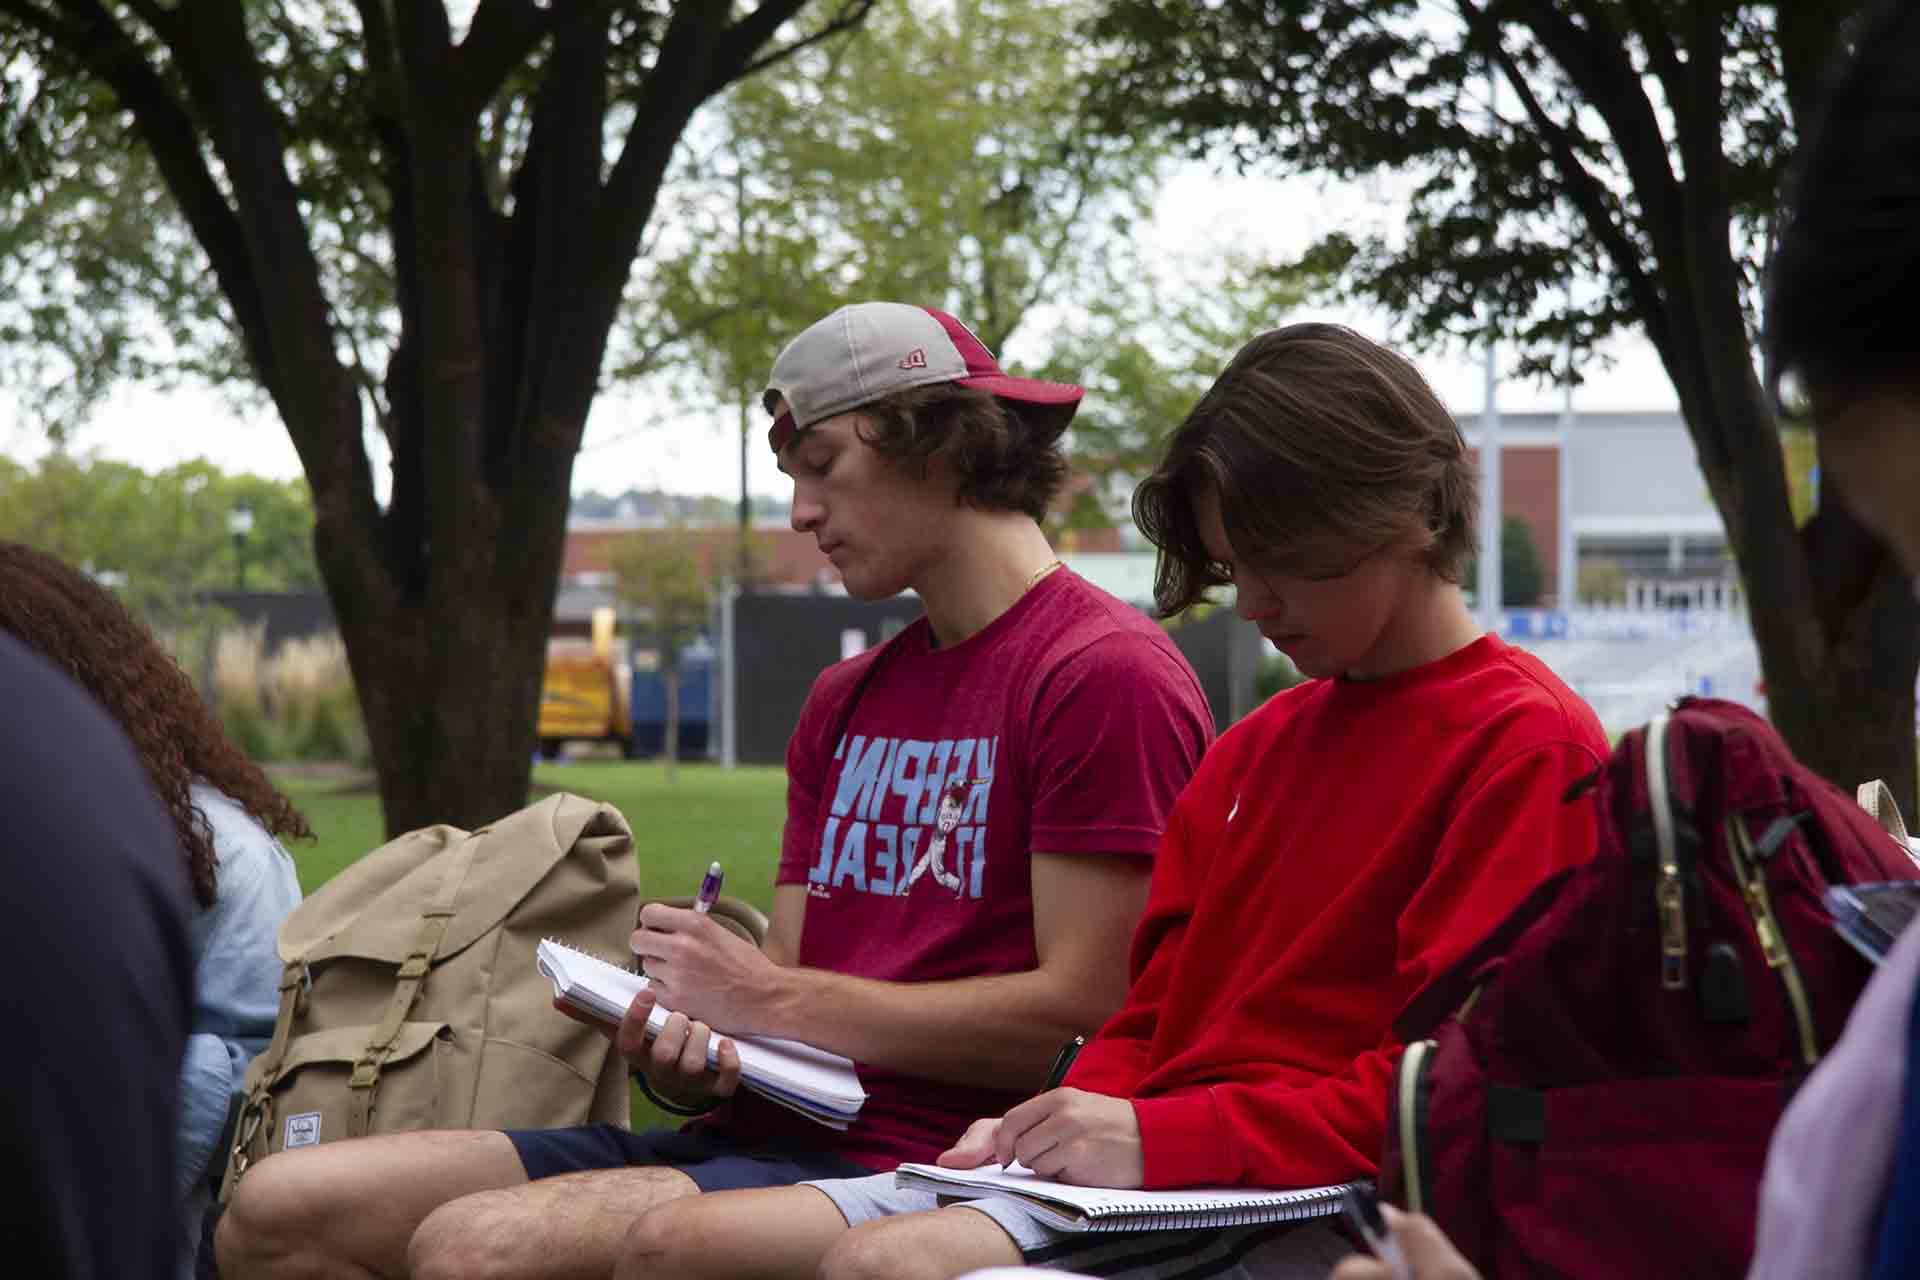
(226, 815)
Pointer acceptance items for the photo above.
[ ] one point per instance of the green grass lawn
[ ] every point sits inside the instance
(678, 828)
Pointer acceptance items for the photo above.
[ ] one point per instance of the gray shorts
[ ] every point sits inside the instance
(1277, 1251)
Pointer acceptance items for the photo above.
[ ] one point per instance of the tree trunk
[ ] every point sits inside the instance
(444, 598)
(451, 723)
(670, 747)
(1836, 627)
(1838, 636)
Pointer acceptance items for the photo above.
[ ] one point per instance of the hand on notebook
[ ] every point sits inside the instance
(1069, 1135)
(702, 969)
(675, 1061)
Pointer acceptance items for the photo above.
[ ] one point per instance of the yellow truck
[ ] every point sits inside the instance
(588, 693)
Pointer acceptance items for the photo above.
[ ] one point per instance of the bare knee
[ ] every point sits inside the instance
(932, 1245)
(268, 1222)
(468, 1237)
(666, 1240)
(878, 1251)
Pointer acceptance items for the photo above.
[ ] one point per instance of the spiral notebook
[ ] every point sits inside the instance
(819, 1085)
(1072, 1208)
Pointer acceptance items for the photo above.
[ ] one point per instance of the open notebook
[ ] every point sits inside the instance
(819, 1085)
(1105, 1209)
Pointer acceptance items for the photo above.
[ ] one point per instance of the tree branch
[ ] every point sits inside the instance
(738, 43)
(502, 36)
(848, 18)
(644, 360)
(1049, 262)
(1599, 69)
(1661, 51)
(663, 105)
(1594, 203)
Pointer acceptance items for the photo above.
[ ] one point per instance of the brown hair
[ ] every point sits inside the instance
(78, 626)
(1007, 455)
(1316, 442)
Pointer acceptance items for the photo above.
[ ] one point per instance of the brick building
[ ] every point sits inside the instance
(1637, 499)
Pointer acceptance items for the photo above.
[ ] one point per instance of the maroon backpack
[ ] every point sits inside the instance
(1599, 1080)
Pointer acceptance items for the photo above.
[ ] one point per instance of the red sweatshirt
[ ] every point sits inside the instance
(1336, 851)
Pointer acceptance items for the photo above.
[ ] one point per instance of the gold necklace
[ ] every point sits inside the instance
(1040, 573)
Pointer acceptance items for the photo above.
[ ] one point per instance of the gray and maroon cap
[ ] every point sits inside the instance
(868, 350)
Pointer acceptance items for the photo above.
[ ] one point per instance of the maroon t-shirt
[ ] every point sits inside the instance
(920, 781)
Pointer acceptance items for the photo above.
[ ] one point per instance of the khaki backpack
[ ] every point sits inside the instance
(410, 999)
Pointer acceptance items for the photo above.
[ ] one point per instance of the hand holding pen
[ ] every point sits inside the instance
(697, 967)
(1406, 1246)
(1062, 1061)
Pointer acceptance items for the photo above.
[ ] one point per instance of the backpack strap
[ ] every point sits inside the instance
(256, 1104)
(412, 973)
(1876, 798)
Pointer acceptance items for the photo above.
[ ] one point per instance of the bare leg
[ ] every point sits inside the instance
(349, 1208)
(571, 1225)
(749, 1235)
(920, 1246)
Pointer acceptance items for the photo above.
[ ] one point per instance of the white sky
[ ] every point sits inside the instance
(643, 442)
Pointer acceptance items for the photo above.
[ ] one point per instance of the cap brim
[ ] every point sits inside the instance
(1025, 390)
(1033, 391)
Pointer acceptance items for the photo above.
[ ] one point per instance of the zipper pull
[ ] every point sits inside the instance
(1763, 928)
(1673, 932)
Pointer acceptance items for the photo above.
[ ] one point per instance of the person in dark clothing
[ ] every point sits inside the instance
(98, 990)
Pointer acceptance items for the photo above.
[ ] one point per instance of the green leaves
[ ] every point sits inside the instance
(1147, 351)
(160, 537)
(1568, 171)
(932, 156)
(660, 573)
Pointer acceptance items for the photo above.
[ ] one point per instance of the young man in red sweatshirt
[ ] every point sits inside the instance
(1337, 850)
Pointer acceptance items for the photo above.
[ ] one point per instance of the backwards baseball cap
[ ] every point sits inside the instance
(872, 349)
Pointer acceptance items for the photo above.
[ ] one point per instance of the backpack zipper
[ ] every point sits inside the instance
(1669, 894)
(1752, 877)
(1414, 1061)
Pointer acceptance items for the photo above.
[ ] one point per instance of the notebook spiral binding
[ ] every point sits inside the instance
(630, 966)
(1135, 1215)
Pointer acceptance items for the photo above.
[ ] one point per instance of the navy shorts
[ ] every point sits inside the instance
(714, 1161)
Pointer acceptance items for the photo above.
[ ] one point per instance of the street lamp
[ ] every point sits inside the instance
(240, 524)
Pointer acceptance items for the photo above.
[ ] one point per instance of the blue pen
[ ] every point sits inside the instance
(709, 890)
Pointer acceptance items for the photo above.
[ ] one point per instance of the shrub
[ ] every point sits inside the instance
(1522, 576)
(236, 690)
(313, 700)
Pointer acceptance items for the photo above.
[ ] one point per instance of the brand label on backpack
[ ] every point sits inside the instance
(303, 1130)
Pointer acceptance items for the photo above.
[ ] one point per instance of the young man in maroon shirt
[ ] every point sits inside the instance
(972, 809)
(1338, 849)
